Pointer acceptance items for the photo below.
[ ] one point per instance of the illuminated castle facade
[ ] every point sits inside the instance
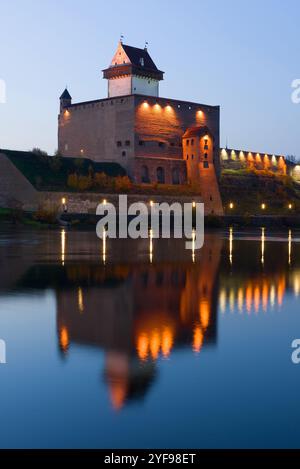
(156, 140)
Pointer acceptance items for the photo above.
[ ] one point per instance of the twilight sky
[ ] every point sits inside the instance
(242, 55)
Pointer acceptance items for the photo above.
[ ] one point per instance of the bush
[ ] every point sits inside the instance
(122, 184)
(73, 181)
(85, 182)
(101, 180)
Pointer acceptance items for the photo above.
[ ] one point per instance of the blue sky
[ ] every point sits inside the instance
(240, 55)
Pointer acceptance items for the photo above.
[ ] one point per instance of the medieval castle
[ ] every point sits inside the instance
(154, 139)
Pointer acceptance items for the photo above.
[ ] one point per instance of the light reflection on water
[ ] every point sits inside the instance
(158, 323)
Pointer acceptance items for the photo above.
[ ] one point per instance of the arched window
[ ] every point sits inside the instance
(175, 176)
(145, 174)
(160, 173)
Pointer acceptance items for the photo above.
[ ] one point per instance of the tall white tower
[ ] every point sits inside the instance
(132, 71)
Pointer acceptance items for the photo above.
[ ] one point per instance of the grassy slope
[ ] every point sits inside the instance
(51, 173)
(249, 189)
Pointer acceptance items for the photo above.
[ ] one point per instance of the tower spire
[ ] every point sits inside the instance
(65, 99)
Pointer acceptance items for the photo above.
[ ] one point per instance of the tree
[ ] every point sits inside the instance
(57, 153)
(43, 155)
(37, 151)
(55, 162)
(291, 158)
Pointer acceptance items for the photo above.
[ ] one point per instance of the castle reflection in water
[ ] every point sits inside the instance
(141, 300)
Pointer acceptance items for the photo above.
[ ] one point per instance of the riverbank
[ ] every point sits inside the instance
(49, 219)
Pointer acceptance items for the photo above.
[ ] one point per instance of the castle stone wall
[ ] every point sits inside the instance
(101, 130)
(160, 124)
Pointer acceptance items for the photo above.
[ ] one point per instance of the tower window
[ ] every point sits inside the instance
(127, 143)
(123, 153)
(192, 141)
(205, 164)
(187, 157)
(205, 155)
(142, 61)
(187, 143)
(119, 143)
(192, 157)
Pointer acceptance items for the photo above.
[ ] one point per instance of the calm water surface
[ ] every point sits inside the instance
(145, 344)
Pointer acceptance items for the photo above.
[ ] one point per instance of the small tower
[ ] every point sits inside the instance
(132, 71)
(65, 100)
(201, 158)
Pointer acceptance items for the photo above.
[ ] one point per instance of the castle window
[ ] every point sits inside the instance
(187, 143)
(142, 61)
(66, 147)
(161, 144)
(119, 143)
(205, 164)
(205, 155)
(205, 147)
(192, 141)
(192, 157)
(145, 174)
(175, 176)
(187, 157)
(127, 143)
(172, 144)
(141, 143)
(160, 174)
(123, 153)
(210, 198)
